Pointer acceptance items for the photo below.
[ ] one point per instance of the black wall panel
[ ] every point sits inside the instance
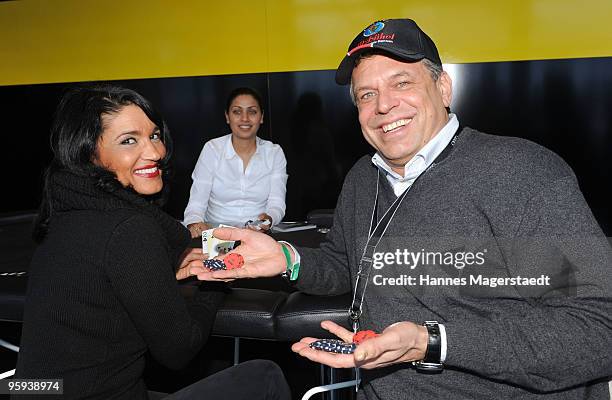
(561, 104)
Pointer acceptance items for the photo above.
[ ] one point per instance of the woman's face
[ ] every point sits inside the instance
(131, 146)
(244, 116)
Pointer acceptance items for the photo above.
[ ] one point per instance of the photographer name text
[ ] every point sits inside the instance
(470, 280)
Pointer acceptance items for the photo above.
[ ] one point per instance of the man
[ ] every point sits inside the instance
(491, 242)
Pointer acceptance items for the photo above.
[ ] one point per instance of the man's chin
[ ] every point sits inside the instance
(395, 160)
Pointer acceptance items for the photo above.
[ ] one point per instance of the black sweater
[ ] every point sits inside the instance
(102, 292)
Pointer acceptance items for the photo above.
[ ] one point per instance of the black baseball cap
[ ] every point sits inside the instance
(400, 37)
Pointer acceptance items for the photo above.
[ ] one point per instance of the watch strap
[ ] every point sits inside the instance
(431, 361)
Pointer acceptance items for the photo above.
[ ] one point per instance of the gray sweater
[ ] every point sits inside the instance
(516, 207)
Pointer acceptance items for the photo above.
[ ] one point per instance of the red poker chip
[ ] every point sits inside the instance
(363, 335)
(233, 261)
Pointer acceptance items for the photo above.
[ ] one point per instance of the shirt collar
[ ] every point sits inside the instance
(424, 157)
(230, 152)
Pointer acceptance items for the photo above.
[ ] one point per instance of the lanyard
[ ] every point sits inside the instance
(377, 230)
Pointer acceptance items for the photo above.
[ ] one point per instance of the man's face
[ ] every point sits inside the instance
(401, 108)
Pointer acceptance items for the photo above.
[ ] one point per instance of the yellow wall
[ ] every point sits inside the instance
(45, 41)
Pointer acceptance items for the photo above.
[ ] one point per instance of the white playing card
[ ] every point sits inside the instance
(215, 246)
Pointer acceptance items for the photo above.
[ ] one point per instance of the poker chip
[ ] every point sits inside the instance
(333, 346)
(363, 335)
(233, 261)
(214, 264)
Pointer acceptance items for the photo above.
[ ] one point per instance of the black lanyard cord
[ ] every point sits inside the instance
(375, 234)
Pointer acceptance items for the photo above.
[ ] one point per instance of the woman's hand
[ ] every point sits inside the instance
(192, 257)
(263, 217)
(197, 228)
(260, 227)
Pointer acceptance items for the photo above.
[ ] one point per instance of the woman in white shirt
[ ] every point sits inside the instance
(238, 177)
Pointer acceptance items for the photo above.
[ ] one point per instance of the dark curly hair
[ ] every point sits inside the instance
(75, 132)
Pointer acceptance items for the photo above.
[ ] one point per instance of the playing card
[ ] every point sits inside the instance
(215, 246)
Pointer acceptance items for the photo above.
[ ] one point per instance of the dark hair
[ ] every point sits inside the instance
(76, 129)
(243, 91)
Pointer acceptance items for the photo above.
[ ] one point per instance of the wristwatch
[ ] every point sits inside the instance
(431, 362)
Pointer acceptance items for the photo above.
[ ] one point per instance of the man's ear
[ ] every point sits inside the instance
(445, 86)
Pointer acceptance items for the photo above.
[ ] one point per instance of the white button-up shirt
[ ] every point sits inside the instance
(224, 192)
(421, 161)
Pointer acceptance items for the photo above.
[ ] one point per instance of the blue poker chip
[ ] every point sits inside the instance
(333, 346)
(214, 265)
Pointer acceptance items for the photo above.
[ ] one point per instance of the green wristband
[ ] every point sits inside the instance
(292, 269)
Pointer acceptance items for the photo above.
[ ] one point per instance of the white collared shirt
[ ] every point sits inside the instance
(421, 161)
(224, 192)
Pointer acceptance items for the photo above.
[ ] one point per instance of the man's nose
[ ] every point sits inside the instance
(386, 101)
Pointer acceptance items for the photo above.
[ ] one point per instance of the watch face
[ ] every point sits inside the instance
(433, 329)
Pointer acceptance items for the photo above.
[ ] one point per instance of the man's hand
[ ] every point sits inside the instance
(192, 257)
(197, 228)
(398, 343)
(263, 256)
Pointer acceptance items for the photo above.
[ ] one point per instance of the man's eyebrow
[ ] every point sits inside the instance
(360, 88)
(401, 74)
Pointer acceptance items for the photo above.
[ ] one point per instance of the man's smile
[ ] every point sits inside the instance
(394, 125)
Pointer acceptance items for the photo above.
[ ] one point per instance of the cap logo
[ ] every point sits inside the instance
(374, 28)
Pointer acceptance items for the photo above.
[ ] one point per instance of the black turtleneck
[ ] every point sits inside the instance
(102, 292)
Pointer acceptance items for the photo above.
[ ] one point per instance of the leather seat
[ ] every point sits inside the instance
(249, 313)
(12, 297)
(302, 314)
(323, 218)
